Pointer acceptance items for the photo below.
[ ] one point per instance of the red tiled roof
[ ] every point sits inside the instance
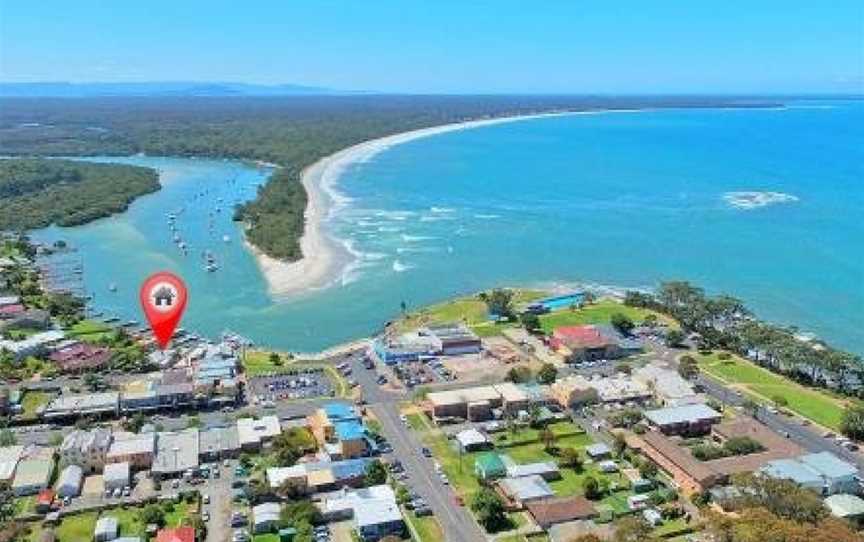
(80, 356)
(582, 336)
(46, 496)
(558, 510)
(12, 309)
(177, 534)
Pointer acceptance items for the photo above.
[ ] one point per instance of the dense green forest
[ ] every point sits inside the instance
(293, 132)
(37, 192)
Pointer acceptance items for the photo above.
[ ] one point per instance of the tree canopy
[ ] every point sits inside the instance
(35, 192)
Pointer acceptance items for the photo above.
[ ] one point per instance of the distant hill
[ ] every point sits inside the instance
(178, 88)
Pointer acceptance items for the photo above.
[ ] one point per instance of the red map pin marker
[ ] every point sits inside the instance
(163, 298)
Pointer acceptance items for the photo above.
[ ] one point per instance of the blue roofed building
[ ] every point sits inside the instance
(340, 431)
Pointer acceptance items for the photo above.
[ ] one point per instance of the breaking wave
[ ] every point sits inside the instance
(755, 200)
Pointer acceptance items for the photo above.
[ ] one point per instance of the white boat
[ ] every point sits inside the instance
(226, 239)
(112, 287)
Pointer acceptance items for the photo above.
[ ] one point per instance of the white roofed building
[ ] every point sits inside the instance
(253, 433)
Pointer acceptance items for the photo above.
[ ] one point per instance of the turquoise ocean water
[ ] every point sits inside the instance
(624, 199)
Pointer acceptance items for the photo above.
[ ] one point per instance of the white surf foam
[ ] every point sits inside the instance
(400, 267)
(748, 200)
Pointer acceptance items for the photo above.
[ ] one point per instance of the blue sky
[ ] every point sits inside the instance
(443, 46)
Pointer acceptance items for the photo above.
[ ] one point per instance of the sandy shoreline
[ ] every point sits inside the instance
(325, 258)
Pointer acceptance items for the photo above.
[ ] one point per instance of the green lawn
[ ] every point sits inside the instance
(31, 401)
(418, 422)
(468, 309)
(523, 447)
(78, 527)
(90, 330)
(598, 313)
(269, 537)
(672, 528)
(72, 529)
(763, 385)
(427, 528)
(24, 505)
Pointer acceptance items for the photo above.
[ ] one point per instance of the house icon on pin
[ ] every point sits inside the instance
(164, 297)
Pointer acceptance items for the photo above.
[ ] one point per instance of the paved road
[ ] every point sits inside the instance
(456, 522)
(219, 528)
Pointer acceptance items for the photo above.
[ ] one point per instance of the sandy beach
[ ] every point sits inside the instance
(324, 257)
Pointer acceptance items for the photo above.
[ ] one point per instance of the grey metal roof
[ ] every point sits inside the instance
(828, 465)
(681, 414)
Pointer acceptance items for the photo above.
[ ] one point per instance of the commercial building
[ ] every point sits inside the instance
(116, 476)
(340, 431)
(253, 433)
(32, 476)
(584, 343)
(404, 348)
(69, 482)
(137, 450)
(453, 339)
(139, 400)
(514, 398)
(91, 404)
(574, 391)
(175, 395)
(373, 509)
(477, 403)
(669, 388)
(823, 472)
(318, 476)
(449, 339)
(219, 443)
(176, 453)
(695, 419)
(87, 449)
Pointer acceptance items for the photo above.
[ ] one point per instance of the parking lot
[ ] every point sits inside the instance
(299, 384)
(427, 371)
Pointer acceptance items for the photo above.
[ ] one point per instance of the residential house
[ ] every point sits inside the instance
(525, 489)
